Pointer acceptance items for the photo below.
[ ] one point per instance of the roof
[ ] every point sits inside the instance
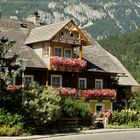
(12, 30)
(126, 79)
(101, 60)
(47, 32)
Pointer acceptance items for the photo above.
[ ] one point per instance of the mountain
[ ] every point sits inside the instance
(127, 49)
(101, 18)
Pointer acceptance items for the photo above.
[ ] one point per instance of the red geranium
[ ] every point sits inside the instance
(68, 91)
(67, 62)
(99, 93)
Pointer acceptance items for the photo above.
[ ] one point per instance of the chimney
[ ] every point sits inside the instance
(37, 18)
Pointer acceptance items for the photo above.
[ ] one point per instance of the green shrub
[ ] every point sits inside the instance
(72, 107)
(134, 102)
(125, 116)
(15, 130)
(43, 106)
(10, 119)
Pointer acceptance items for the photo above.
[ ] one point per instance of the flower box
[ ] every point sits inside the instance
(67, 63)
(99, 94)
(66, 91)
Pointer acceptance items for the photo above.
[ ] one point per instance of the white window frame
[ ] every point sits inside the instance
(70, 51)
(54, 75)
(99, 104)
(99, 80)
(57, 48)
(85, 84)
(45, 51)
(31, 76)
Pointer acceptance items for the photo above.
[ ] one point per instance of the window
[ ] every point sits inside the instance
(57, 51)
(82, 83)
(67, 53)
(98, 83)
(45, 51)
(56, 80)
(28, 79)
(99, 107)
(124, 103)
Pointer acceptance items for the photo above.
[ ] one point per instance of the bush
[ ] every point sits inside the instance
(10, 119)
(125, 116)
(134, 102)
(43, 106)
(15, 130)
(72, 107)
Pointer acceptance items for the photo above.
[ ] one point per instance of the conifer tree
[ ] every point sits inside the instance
(8, 66)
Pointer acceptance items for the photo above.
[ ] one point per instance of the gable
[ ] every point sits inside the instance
(49, 32)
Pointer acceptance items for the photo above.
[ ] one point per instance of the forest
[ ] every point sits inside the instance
(127, 49)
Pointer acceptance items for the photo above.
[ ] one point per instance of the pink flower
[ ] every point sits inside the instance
(67, 62)
(68, 91)
(99, 93)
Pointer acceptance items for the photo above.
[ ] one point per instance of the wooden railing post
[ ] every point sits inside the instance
(80, 53)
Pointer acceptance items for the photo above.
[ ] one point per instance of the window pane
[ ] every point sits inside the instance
(28, 80)
(98, 84)
(67, 53)
(99, 108)
(45, 51)
(56, 81)
(82, 83)
(57, 52)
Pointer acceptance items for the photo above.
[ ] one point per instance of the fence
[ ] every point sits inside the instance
(73, 122)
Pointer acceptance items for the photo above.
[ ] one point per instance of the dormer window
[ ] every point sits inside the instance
(58, 51)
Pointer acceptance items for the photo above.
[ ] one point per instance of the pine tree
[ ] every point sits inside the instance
(8, 66)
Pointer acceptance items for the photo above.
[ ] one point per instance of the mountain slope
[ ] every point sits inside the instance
(101, 17)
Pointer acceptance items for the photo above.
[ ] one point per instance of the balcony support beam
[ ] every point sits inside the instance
(80, 53)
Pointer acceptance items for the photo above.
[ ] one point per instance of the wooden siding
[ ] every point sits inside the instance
(66, 36)
(69, 79)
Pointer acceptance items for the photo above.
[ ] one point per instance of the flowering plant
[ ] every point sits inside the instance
(67, 62)
(68, 91)
(13, 88)
(99, 93)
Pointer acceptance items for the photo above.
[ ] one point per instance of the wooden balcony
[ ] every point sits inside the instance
(67, 64)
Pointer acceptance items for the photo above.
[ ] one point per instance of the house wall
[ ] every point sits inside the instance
(91, 79)
(71, 79)
(38, 49)
(39, 75)
(107, 104)
(67, 36)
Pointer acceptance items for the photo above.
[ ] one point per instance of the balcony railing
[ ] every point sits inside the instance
(98, 94)
(63, 63)
(66, 40)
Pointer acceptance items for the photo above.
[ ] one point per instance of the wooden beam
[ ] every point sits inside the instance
(81, 33)
(80, 53)
(51, 49)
